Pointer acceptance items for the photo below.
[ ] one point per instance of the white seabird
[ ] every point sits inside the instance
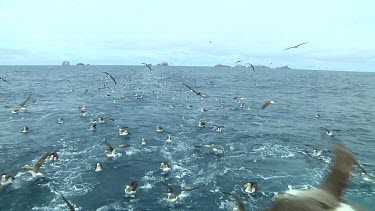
(165, 167)
(131, 189)
(123, 130)
(6, 179)
(159, 129)
(316, 152)
(201, 124)
(217, 149)
(219, 128)
(250, 187)
(25, 130)
(267, 103)
(172, 197)
(98, 167)
(328, 196)
(34, 170)
(61, 120)
(144, 141)
(169, 139)
(329, 132)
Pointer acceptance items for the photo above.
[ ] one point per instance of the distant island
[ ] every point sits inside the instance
(221, 65)
(283, 67)
(163, 64)
(66, 62)
(80, 64)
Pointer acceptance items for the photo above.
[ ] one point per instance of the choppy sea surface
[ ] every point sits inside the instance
(264, 146)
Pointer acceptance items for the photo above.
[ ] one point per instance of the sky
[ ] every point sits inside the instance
(340, 33)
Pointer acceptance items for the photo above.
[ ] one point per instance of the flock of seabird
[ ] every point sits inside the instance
(327, 196)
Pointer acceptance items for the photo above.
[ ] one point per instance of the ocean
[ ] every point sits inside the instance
(267, 146)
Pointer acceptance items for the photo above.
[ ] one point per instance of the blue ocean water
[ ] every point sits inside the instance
(265, 146)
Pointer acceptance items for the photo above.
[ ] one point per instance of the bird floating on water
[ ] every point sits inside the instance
(169, 139)
(6, 179)
(53, 156)
(25, 130)
(131, 189)
(159, 129)
(61, 120)
(250, 187)
(98, 167)
(111, 151)
(201, 124)
(165, 167)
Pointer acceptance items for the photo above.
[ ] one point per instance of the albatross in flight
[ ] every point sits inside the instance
(22, 106)
(148, 65)
(296, 46)
(2, 79)
(71, 208)
(329, 195)
(267, 103)
(240, 205)
(192, 90)
(34, 170)
(172, 197)
(109, 75)
(251, 65)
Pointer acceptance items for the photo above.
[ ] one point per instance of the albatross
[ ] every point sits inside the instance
(148, 65)
(109, 75)
(296, 46)
(192, 90)
(71, 208)
(172, 197)
(240, 205)
(2, 79)
(22, 106)
(217, 149)
(267, 103)
(6, 179)
(329, 132)
(131, 189)
(316, 152)
(329, 195)
(34, 170)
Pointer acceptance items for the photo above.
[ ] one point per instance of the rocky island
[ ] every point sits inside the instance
(163, 64)
(221, 65)
(66, 62)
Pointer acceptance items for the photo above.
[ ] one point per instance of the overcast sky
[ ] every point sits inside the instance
(189, 32)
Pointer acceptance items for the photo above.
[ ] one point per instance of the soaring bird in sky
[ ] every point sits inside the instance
(296, 46)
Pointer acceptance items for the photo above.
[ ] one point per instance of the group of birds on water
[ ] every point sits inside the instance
(130, 189)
